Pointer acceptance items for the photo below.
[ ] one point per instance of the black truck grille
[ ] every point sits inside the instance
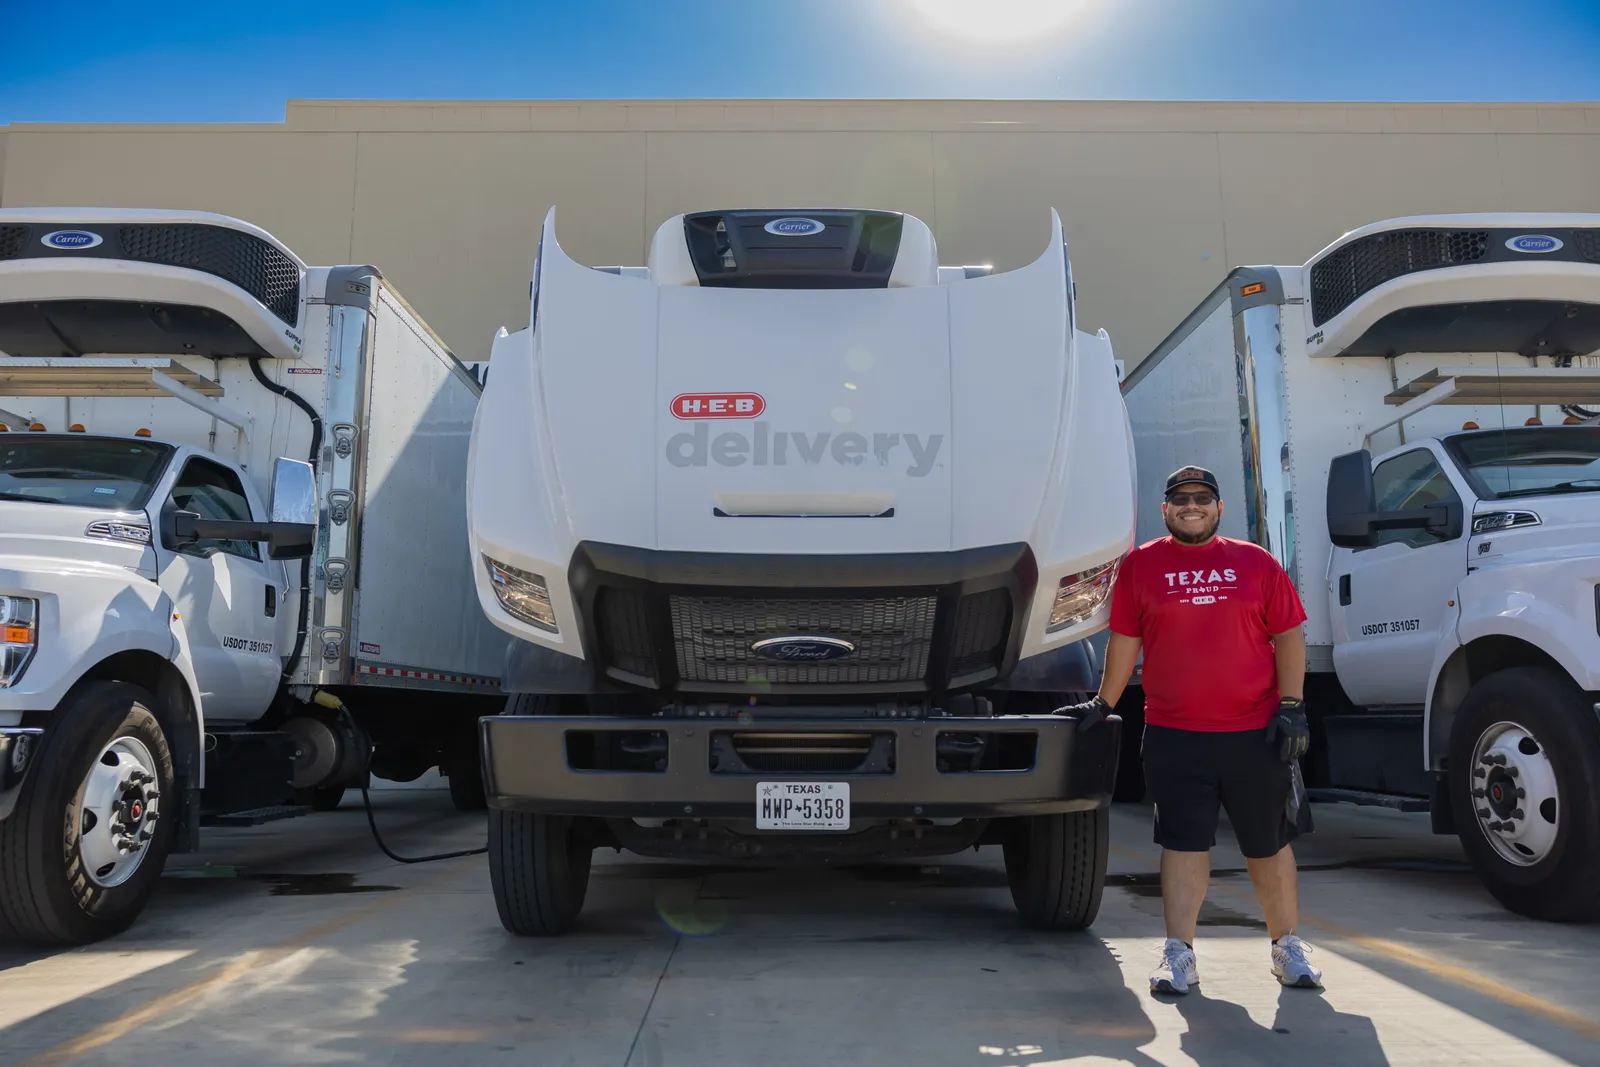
(241, 258)
(688, 622)
(1363, 265)
(892, 638)
(978, 640)
(12, 240)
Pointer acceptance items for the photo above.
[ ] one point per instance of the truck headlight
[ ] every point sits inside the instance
(1080, 595)
(19, 635)
(523, 594)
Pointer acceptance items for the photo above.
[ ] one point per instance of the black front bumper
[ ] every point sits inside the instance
(528, 766)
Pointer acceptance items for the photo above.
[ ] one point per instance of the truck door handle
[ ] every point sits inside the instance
(1344, 590)
(272, 601)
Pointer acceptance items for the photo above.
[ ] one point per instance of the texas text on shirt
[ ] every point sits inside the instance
(1206, 614)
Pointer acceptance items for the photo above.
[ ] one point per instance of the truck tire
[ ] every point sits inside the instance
(465, 776)
(539, 871)
(1056, 865)
(538, 866)
(1528, 740)
(102, 778)
(327, 797)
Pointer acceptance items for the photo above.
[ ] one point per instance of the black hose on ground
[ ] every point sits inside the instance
(327, 699)
(302, 623)
(387, 851)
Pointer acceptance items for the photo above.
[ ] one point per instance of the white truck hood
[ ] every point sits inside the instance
(54, 536)
(796, 421)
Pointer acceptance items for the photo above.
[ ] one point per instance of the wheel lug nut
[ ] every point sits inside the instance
(1483, 813)
(1517, 814)
(1479, 772)
(1521, 792)
(1480, 793)
(1512, 772)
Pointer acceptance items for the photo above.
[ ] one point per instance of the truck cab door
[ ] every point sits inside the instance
(1391, 602)
(224, 595)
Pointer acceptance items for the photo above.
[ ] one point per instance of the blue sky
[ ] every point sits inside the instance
(223, 60)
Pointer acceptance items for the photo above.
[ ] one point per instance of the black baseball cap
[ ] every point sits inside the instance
(1185, 475)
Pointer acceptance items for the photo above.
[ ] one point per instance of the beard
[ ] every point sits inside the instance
(1187, 538)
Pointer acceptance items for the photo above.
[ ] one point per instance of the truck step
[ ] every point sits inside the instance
(1369, 800)
(257, 816)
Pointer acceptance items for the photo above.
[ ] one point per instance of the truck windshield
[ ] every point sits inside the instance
(1530, 461)
(87, 472)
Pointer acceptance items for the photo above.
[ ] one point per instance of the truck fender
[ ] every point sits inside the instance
(1533, 636)
(183, 661)
(1448, 682)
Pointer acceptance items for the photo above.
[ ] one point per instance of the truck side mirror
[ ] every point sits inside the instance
(294, 492)
(1353, 516)
(1352, 500)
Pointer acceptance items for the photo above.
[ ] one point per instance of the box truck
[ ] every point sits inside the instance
(797, 535)
(233, 555)
(1408, 424)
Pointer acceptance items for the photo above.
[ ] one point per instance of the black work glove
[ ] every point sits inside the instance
(1088, 714)
(1288, 729)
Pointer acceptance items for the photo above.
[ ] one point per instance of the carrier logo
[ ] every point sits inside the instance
(804, 649)
(1534, 243)
(71, 240)
(794, 227)
(718, 405)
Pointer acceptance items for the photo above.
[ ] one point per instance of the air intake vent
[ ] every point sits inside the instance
(1364, 264)
(1587, 243)
(12, 240)
(794, 249)
(247, 261)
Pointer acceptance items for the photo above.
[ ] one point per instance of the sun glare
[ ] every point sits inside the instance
(998, 21)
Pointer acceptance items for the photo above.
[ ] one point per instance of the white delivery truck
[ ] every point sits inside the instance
(798, 534)
(230, 493)
(1408, 423)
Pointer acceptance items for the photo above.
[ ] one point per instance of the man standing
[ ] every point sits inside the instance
(1225, 722)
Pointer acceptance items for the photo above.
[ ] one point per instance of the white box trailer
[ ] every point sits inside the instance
(163, 376)
(1407, 422)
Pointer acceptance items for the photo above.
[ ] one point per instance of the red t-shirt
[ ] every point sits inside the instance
(1206, 614)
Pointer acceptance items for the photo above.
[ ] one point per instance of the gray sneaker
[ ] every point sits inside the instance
(1290, 966)
(1177, 971)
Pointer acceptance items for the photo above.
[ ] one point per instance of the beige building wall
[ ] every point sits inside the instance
(1158, 199)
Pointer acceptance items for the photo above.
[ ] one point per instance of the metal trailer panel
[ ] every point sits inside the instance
(1185, 408)
(417, 617)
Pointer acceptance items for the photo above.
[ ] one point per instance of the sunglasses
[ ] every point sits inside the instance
(1204, 500)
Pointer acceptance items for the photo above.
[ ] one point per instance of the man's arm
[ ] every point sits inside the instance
(1122, 652)
(1289, 650)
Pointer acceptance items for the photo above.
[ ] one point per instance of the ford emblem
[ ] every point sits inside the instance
(1534, 243)
(794, 227)
(70, 240)
(803, 649)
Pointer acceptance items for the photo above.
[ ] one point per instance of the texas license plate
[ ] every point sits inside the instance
(803, 805)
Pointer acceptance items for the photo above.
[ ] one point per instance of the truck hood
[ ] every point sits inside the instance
(924, 418)
(37, 531)
(1567, 526)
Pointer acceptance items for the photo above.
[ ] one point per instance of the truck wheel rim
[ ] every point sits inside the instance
(1514, 794)
(118, 811)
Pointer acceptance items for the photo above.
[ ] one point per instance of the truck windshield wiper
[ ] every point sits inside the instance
(1581, 485)
(24, 496)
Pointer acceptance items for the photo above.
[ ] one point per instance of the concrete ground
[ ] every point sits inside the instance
(299, 943)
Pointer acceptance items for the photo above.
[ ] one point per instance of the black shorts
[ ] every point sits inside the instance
(1190, 773)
